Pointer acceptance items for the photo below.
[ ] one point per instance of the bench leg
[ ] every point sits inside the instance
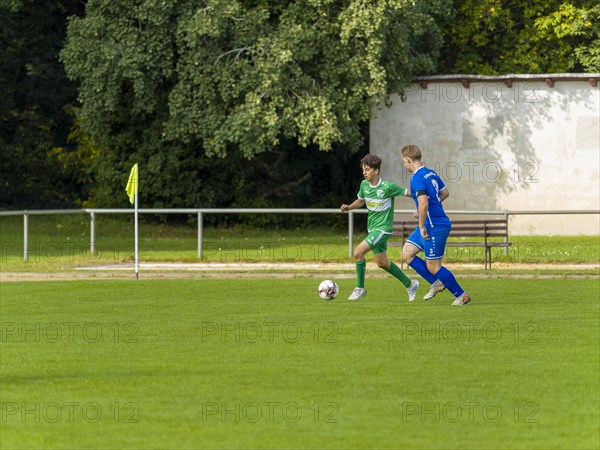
(485, 258)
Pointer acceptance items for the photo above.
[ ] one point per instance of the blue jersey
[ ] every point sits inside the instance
(426, 181)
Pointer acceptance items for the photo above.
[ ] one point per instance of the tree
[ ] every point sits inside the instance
(34, 114)
(497, 37)
(579, 26)
(172, 83)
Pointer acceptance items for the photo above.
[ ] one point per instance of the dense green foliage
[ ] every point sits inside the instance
(231, 76)
(239, 103)
(498, 37)
(35, 113)
(178, 85)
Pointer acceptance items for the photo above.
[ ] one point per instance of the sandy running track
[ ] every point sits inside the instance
(280, 270)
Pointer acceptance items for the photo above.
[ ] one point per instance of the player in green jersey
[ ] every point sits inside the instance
(379, 196)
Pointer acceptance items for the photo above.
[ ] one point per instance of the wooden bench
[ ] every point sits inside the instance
(483, 228)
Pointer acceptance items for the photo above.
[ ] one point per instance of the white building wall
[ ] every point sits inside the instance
(525, 147)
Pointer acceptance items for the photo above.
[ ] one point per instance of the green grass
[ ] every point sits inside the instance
(62, 243)
(266, 364)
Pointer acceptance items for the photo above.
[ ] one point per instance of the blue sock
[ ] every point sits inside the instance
(446, 277)
(421, 268)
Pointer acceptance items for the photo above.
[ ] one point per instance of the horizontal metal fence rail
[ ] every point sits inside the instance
(201, 211)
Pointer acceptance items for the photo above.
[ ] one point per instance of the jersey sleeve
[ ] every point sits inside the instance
(417, 184)
(440, 183)
(361, 193)
(395, 190)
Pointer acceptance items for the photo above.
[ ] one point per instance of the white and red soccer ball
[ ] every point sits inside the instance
(328, 290)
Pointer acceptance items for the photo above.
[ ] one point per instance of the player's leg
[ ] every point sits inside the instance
(381, 258)
(435, 248)
(361, 267)
(412, 247)
(384, 263)
(448, 279)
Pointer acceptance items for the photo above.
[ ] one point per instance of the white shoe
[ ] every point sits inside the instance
(412, 290)
(435, 288)
(462, 299)
(357, 293)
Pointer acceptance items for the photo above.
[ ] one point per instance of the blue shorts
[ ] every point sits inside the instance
(433, 248)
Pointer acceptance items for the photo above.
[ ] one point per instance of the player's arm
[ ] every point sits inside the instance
(358, 203)
(444, 194)
(398, 191)
(423, 202)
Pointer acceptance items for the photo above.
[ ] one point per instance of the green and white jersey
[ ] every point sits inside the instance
(379, 200)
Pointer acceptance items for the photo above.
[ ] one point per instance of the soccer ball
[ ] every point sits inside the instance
(328, 290)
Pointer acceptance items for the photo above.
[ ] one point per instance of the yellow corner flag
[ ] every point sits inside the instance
(132, 184)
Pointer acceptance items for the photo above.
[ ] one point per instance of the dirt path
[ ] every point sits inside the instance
(281, 270)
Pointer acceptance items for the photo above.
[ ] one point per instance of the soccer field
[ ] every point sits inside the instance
(267, 364)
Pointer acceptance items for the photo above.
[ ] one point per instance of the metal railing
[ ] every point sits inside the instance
(200, 212)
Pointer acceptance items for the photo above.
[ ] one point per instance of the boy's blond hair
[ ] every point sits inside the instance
(412, 151)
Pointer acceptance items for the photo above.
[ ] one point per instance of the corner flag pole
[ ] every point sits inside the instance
(135, 245)
(132, 192)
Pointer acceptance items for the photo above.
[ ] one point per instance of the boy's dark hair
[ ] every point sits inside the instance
(373, 161)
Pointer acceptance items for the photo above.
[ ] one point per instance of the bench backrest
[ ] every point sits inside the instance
(460, 228)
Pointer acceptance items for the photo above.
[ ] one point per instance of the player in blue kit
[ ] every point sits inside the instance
(429, 191)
